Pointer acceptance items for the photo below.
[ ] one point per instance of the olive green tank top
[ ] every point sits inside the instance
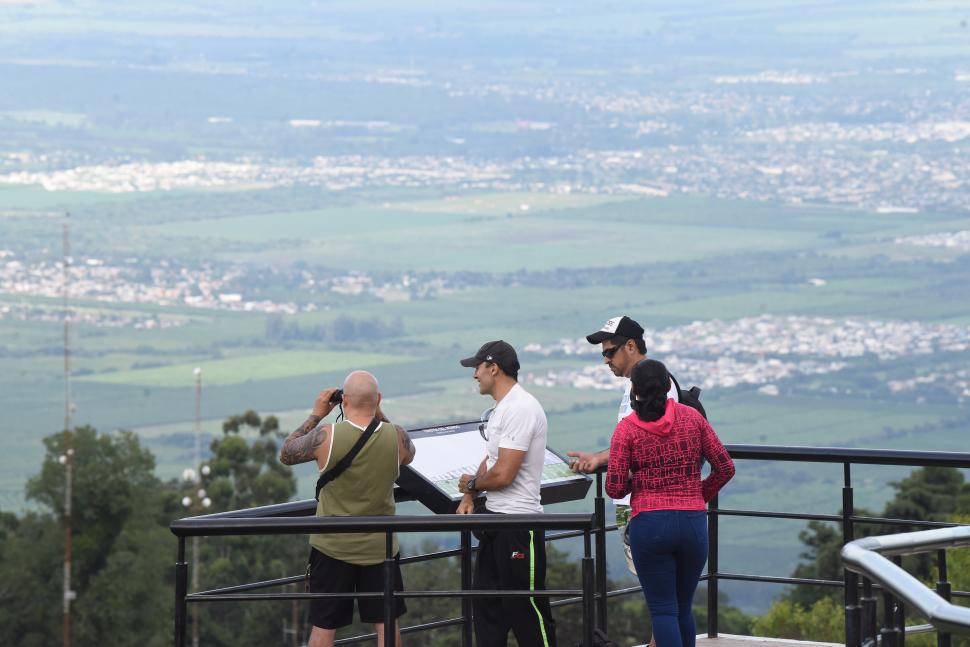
(366, 488)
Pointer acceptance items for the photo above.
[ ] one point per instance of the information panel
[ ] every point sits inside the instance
(445, 452)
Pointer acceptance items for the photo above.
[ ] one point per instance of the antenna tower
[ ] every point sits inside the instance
(67, 458)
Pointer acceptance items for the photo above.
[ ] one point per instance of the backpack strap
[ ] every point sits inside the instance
(691, 397)
(676, 385)
(348, 458)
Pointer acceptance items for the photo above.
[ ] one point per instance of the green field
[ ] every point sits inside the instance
(250, 368)
(554, 271)
(567, 236)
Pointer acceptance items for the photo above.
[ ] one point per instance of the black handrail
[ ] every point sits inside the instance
(848, 519)
(860, 611)
(223, 525)
(850, 455)
(200, 526)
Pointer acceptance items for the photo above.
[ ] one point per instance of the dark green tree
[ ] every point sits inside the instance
(247, 474)
(30, 579)
(927, 494)
(244, 474)
(123, 551)
(121, 548)
(822, 560)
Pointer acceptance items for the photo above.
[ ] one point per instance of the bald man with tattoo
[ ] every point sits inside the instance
(351, 562)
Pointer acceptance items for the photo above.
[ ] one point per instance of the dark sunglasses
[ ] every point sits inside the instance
(482, 426)
(610, 352)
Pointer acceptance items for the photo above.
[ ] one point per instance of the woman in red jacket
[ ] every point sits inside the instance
(656, 453)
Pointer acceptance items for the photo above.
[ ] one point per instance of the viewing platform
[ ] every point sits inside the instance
(872, 583)
(730, 640)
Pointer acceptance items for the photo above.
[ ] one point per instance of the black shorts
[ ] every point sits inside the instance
(329, 575)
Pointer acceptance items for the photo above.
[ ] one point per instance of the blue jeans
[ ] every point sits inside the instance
(670, 550)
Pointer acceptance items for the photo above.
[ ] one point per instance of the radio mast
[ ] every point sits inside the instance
(67, 458)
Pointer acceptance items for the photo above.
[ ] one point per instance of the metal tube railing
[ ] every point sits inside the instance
(856, 607)
(868, 557)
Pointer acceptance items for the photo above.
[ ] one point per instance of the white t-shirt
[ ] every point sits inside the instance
(518, 422)
(626, 409)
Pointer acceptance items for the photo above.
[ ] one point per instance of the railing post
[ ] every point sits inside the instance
(900, 615)
(868, 612)
(588, 597)
(712, 567)
(889, 632)
(850, 579)
(901, 623)
(599, 510)
(181, 588)
(944, 591)
(389, 619)
(466, 584)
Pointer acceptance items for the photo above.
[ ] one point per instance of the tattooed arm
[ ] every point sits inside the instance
(301, 445)
(405, 446)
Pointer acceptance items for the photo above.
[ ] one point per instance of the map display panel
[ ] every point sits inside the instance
(446, 452)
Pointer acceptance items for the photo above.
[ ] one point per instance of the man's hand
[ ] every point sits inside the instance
(322, 405)
(301, 445)
(587, 461)
(467, 505)
(463, 483)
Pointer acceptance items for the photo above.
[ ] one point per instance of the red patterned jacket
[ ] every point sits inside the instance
(665, 459)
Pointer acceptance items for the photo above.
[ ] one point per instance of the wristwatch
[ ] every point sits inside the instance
(470, 485)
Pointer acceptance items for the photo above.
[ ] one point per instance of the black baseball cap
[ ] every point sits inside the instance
(616, 327)
(498, 352)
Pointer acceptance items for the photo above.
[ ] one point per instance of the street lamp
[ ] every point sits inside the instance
(197, 372)
(200, 499)
(195, 502)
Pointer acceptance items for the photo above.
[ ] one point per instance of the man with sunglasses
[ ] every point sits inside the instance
(510, 474)
(623, 346)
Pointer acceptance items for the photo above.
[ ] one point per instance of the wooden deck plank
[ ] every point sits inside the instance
(731, 640)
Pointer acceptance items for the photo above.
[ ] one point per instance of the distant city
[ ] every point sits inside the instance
(751, 137)
(765, 350)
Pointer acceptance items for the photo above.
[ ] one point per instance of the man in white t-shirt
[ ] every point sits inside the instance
(510, 475)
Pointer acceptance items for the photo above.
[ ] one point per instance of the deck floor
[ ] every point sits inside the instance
(730, 640)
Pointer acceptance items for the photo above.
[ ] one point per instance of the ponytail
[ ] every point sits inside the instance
(650, 383)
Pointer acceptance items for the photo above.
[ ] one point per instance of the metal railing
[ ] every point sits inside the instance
(233, 524)
(848, 519)
(867, 557)
(286, 518)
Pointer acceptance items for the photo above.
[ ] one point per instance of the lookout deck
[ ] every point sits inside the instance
(731, 640)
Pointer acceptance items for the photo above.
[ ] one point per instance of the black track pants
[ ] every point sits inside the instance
(512, 559)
